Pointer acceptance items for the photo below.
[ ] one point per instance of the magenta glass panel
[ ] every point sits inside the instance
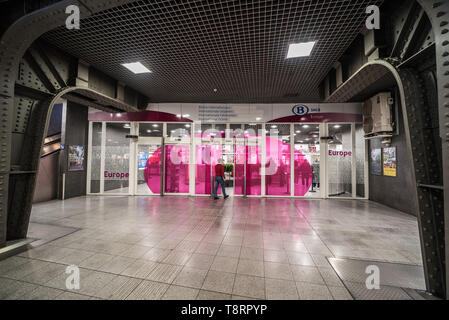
(253, 166)
(303, 174)
(278, 169)
(203, 170)
(239, 170)
(177, 159)
(153, 171)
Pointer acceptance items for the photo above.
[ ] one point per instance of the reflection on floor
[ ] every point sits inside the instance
(315, 193)
(196, 248)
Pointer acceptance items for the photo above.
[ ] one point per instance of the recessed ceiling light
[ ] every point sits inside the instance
(306, 126)
(337, 126)
(136, 67)
(303, 49)
(258, 119)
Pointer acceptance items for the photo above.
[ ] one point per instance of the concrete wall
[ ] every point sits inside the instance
(396, 192)
(75, 134)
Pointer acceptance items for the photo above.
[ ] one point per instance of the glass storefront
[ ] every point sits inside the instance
(311, 160)
(307, 159)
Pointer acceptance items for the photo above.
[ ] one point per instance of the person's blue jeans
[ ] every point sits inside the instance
(219, 181)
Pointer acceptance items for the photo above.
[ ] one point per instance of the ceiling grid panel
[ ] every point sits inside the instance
(236, 47)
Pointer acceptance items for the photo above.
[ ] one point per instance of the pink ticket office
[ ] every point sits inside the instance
(152, 153)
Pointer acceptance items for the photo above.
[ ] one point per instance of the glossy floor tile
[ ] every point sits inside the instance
(196, 248)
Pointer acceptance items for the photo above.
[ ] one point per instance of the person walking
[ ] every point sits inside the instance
(220, 179)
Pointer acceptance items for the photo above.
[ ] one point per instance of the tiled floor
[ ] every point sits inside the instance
(195, 248)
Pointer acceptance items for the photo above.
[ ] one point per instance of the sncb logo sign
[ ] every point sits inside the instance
(300, 110)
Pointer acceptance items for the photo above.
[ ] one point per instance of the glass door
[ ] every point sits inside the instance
(203, 170)
(207, 156)
(278, 160)
(247, 159)
(212, 143)
(240, 168)
(253, 139)
(340, 160)
(116, 155)
(177, 166)
(149, 166)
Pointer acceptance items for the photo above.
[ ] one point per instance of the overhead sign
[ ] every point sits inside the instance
(301, 110)
(261, 113)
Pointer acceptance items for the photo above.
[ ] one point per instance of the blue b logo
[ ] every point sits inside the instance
(301, 110)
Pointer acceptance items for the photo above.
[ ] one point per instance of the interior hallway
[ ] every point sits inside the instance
(195, 248)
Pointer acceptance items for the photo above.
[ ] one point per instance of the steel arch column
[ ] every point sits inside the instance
(422, 148)
(423, 151)
(17, 225)
(425, 172)
(438, 12)
(13, 44)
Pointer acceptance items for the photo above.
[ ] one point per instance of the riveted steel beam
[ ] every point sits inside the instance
(60, 83)
(438, 12)
(412, 25)
(424, 150)
(14, 43)
(430, 154)
(427, 173)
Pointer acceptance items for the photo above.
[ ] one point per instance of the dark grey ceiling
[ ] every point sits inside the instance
(237, 47)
